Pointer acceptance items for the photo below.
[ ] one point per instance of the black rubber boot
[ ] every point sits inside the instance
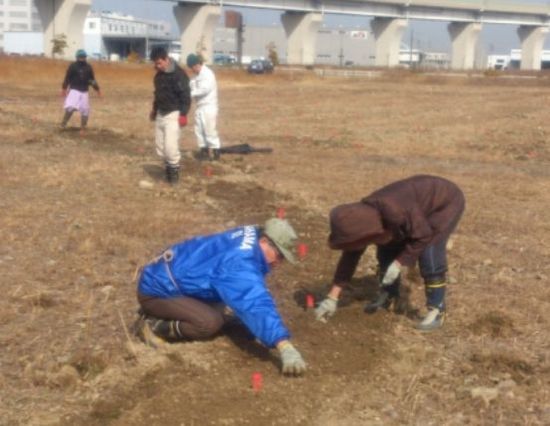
(387, 295)
(83, 122)
(383, 300)
(216, 155)
(172, 174)
(66, 118)
(157, 332)
(166, 329)
(204, 154)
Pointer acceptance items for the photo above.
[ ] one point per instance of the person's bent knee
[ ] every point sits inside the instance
(208, 326)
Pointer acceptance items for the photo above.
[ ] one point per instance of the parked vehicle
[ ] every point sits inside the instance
(98, 57)
(175, 55)
(225, 60)
(260, 66)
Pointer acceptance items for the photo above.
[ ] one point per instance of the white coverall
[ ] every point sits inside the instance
(204, 90)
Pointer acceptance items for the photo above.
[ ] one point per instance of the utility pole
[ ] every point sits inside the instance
(240, 39)
(147, 40)
(411, 49)
(341, 56)
(53, 27)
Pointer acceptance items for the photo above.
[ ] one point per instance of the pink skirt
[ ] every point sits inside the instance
(78, 101)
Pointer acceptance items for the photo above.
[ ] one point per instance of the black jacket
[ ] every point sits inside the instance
(79, 76)
(172, 91)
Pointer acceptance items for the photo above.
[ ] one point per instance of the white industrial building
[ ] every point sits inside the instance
(24, 42)
(513, 60)
(105, 34)
(498, 62)
(18, 15)
(114, 35)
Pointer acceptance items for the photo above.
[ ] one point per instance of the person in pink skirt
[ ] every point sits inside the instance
(79, 76)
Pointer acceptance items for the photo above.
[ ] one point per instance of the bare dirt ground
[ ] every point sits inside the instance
(75, 225)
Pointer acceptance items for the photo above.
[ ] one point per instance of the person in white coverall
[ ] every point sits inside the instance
(204, 90)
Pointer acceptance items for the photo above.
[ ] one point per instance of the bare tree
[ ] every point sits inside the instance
(272, 53)
(59, 44)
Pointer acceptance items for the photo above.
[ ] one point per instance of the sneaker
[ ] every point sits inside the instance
(383, 301)
(432, 321)
(145, 331)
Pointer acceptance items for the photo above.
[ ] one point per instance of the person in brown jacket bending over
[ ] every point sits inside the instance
(409, 220)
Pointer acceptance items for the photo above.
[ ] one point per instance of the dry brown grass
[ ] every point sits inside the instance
(47, 71)
(75, 225)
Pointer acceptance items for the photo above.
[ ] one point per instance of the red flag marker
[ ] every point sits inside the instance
(281, 213)
(257, 382)
(208, 172)
(302, 250)
(310, 301)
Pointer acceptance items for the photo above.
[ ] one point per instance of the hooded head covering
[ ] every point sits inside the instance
(350, 223)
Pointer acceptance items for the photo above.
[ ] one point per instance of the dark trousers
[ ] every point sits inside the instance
(190, 318)
(433, 268)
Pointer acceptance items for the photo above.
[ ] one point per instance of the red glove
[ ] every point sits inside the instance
(183, 120)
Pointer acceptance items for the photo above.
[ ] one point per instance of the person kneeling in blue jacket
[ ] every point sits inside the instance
(180, 292)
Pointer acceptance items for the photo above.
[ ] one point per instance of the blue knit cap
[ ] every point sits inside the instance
(81, 53)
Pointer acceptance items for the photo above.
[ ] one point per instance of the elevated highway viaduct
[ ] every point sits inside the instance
(302, 19)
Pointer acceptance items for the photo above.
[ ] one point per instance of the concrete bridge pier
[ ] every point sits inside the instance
(387, 33)
(301, 31)
(532, 43)
(464, 36)
(197, 24)
(63, 17)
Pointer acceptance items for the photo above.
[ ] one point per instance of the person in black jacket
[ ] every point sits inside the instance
(170, 107)
(79, 76)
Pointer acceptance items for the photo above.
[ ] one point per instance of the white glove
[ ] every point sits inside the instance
(392, 273)
(326, 309)
(293, 363)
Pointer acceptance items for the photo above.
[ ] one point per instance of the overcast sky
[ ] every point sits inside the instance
(426, 35)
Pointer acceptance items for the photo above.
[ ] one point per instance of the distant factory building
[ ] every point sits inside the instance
(513, 60)
(334, 46)
(18, 15)
(115, 36)
(106, 35)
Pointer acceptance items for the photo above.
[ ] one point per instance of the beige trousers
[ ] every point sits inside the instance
(167, 136)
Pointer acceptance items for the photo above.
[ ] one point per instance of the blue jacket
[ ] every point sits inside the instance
(228, 267)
